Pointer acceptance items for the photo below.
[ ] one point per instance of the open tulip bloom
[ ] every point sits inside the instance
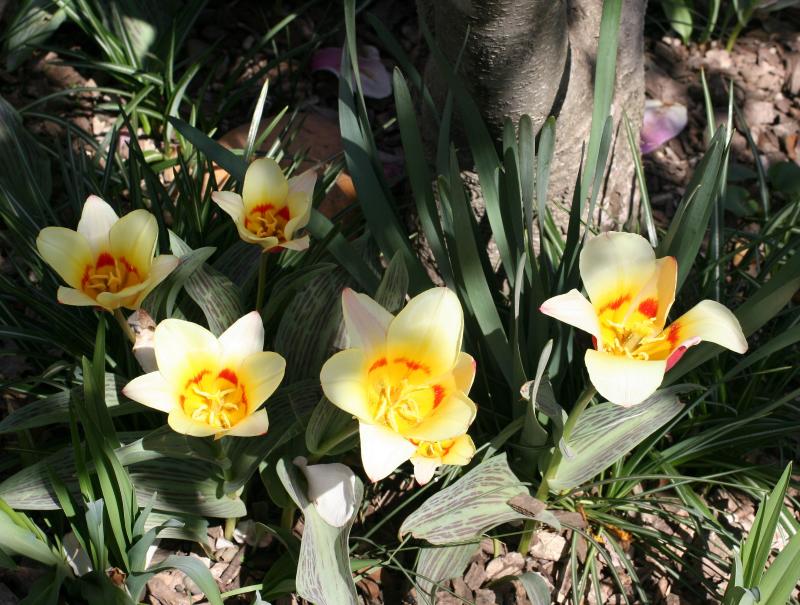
(272, 209)
(209, 385)
(631, 293)
(108, 262)
(406, 381)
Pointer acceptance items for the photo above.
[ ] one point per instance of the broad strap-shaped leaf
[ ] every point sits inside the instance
(393, 288)
(326, 422)
(536, 588)
(606, 432)
(160, 303)
(18, 540)
(438, 564)
(467, 508)
(323, 570)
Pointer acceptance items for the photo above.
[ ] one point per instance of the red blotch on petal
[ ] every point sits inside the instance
(283, 213)
(616, 303)
(413, 365)
(675, 357)
(196, 378)
(229, 375)
(261, 208)
(648, 307)
(378, 364)
(128, 266)
(673, 333)
(438, 394)
(104, 260)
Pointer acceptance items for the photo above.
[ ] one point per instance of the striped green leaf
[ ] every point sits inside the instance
(438, 564)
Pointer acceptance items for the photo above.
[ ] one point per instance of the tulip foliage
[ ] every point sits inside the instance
(271, 363)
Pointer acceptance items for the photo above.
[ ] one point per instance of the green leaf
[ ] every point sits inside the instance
(758, 545)
(606, 432)
(197, 571)
(391, 293)
(679, 13)
(323, 570)
(326, 422)
(160, 303)
(536, 588)
(21, 541)
(464, 510)
(215, 152)
(55, 408)
(441, 563)
(781, 578)
(32, 26)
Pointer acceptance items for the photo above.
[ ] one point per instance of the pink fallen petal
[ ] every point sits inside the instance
(662, 122)
(376, 82)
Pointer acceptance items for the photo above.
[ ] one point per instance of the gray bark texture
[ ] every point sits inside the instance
(537, 57)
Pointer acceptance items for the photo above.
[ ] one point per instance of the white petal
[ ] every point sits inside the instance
(183, 348)
(254, 425)
(574, 309)
(622, 380)
(366, 321)
(153, 391)
(97, 218)
(71, 296)
(332, 489)
(344, 382)
(382, 450)
(424, 468)
(243, 337)
(231, 203)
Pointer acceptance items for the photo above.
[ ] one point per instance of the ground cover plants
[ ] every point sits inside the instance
(215, 373)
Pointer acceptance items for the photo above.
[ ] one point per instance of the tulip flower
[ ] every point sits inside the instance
(272, 209)
(430, 455)
(209, 385)
(332, 489)
(108, 262)
(405, 378)
(631, 293)
(376, 82)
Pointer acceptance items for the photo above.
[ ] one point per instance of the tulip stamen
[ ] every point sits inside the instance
(109, 274)
(263, 222)
(213, 401)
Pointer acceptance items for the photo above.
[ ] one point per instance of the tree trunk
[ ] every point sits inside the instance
(537, 57)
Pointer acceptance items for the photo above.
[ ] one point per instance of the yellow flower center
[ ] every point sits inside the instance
(400, 395)
(265, 221)
(631, 331)
(109, 274)
(433, 449)
(217, 400)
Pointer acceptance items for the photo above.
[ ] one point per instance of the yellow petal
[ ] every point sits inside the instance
(231, 203)
(464, 372)
(134, 238)
(243, 337)
(573, 308)
(160, 269)
(655, 300)
(366, 321)
(127, 297)
(254, 425)
(623, 380)
(183, 348)
(461, 452)
(424, 468)
(615, 266)
(450, 418)
(298, 244)
(71, 296)
(260, 374)
(181, 423)
(710, 321)
(429, 330)
(343, 379)
(382, 450)
(97, 218)
(153, 391)
(66, 251)
(264, 183)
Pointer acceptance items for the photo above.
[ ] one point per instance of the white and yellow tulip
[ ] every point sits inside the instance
(272, 209)
(630, 294)
(430, 455)
(108, 262)
(209, 385)
(405, 379)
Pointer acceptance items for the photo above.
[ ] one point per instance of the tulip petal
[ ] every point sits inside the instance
(655, 299)
(710, 321)
(134, 238)
(298, 244)
(424, 468)
(126, 297)
(376, 82)
(261, 373)
(231, 203)
(332, 489)
(181, 423)
(327, 59)
(450, 418)
(182, 346)
(461, 452)
(574, 309)
(429, 330)
(366, 321)
(160, 269)
(243, 337)
(302, 186)
(623, 380)
(254, 425)
(71, 296)
(343, 379)
(662, 122)
(464, 372)
(615, 267)
(382, 450)
(97, 218)
(66, 251)
(153, 391)
(264, 184)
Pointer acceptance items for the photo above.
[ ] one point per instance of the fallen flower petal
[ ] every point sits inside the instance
(376, 82)
(662, 122)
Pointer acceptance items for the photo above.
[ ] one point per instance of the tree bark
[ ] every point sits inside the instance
(537, 57)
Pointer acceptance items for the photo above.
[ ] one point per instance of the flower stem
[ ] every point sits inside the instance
(287, 517)
(230, 526)
(262, 280)
(123, 323)
(544, 487)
